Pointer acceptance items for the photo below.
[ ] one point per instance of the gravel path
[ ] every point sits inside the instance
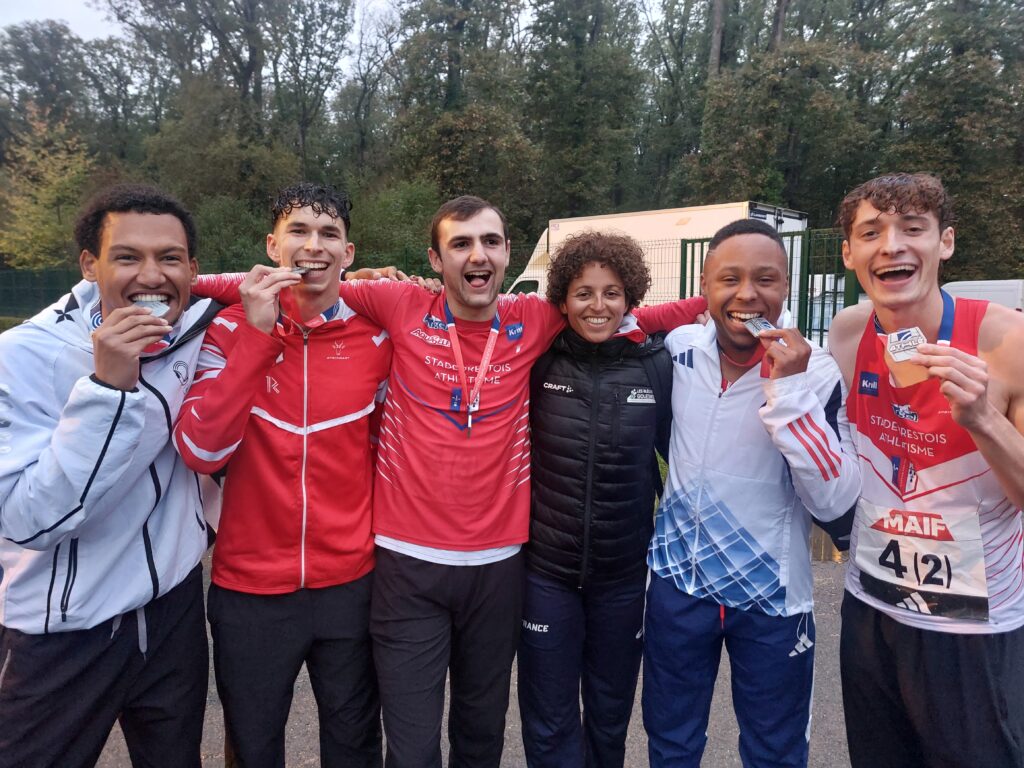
(828, 739)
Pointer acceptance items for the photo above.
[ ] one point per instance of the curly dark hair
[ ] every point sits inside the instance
(620, 253)
(129, 198)
(902, 193)
(322, 198)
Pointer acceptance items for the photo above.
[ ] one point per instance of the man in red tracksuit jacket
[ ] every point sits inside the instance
(286, 386)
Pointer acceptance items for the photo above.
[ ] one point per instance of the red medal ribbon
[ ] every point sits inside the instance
(473, 401)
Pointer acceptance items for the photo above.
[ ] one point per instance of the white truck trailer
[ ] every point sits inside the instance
(660, 234)
(1009, 293)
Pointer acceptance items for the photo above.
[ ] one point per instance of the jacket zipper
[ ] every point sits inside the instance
(69, 579)
(49, 592)
(595, 399)
(700, 492)
(305, 448)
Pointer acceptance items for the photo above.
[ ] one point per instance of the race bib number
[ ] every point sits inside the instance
(925, 562)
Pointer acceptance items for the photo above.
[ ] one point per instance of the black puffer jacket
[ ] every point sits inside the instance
(595, 425)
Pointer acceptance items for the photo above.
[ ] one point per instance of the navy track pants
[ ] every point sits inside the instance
(772, 660)
(578, 642)
(61, 693)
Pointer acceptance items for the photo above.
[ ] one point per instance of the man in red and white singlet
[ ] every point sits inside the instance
(932, 648)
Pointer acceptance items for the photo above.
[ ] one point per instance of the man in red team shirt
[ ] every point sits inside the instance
(452, 493)
(286, 386)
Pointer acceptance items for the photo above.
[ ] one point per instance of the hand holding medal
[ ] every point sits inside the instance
(964, 381)
(789, 356)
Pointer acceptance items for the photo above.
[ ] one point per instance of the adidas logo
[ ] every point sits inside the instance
(804, 643)
(914, 602)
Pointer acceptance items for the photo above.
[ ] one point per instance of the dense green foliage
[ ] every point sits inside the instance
(551, 108)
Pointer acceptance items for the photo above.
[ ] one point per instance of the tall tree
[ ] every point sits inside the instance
(308, 44)
(45, 177)
(583, 92)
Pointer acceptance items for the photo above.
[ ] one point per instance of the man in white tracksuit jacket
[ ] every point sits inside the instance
(101, 524)
(759, 444)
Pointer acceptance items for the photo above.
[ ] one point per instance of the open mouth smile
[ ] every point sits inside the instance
(312, 266)
(478, 279)
(895, 272)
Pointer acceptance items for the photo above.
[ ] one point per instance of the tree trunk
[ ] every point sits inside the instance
(717, 33)
(778, 25)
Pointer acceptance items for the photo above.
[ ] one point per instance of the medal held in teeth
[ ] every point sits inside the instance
(902, 344)
(158, 308)
(756, 325)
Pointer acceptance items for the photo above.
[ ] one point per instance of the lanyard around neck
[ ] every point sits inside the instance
(473, 399)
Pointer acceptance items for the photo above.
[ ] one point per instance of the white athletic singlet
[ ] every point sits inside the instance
(936, 543)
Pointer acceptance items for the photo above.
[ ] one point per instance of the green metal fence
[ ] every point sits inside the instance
(24, 292)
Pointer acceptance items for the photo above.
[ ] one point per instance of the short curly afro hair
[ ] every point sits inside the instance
(619, 253)
(900, 193)
(129, 198)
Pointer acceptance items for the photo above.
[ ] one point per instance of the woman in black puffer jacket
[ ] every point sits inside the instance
(600, 403)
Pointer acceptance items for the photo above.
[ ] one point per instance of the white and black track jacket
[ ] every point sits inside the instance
(748, 467)
(98, 514)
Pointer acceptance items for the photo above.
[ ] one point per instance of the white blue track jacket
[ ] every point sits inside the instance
(747, 469)
(98, 515)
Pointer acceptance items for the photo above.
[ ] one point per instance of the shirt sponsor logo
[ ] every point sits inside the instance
(437, 341)
(531, 626)
(921, 525)
(434, 323)
(868, 384)
(641, 395)
(559, 387)
(904, 412)
(180, 369)
(514, 332)
(339, 348)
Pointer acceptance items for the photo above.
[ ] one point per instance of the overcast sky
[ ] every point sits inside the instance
(84, 21)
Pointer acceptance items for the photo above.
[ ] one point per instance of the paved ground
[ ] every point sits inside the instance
(828, 741)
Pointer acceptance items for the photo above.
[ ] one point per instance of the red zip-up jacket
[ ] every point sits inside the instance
(289, 415)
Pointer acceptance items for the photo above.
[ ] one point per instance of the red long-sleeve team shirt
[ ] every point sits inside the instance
(290, 414)
(436, 485)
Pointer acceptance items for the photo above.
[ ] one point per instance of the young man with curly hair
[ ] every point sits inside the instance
(288, 383)
(932, 650)
(101, 601)
(600, 402)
